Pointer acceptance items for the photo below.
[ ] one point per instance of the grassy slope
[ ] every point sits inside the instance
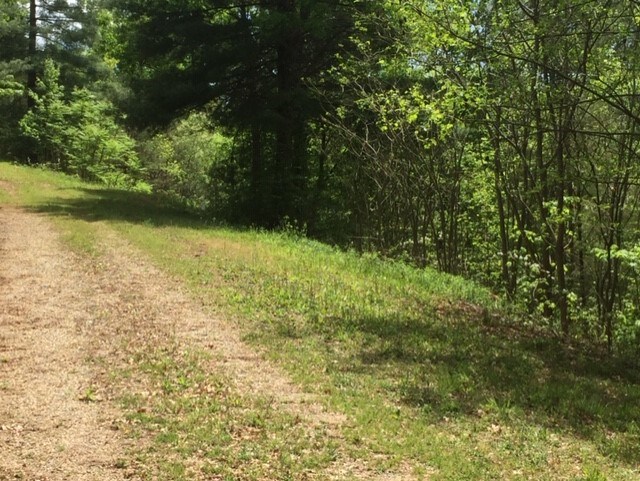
(417, 360)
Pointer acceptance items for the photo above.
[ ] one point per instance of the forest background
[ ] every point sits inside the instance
(497, 140)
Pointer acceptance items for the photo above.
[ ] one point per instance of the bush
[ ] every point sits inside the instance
(178, 162)
(80, 135)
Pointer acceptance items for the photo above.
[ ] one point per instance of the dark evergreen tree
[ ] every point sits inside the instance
(65, 32)
(30, 33)
(251, 62)
(13, 67)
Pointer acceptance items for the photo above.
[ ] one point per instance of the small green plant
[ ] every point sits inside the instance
(593, 474)
(90, 395)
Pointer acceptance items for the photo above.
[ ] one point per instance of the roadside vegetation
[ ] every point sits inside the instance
(492, 140)
(436, 378)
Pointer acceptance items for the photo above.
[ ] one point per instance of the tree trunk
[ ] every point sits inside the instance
(32, 52)
(257, 175)
(508, 285)
(289, 127)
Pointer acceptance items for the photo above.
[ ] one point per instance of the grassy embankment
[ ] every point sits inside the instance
(432, 381)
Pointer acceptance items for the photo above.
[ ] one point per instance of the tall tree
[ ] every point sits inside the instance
(251, 62)
(65, 31)
(13, 66)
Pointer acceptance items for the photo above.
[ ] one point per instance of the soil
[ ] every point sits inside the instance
(50, 426)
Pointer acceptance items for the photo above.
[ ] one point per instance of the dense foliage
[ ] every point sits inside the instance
(79, 135)
(492, 139)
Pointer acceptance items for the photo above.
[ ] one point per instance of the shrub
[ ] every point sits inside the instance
(178, 162)
(80, 135)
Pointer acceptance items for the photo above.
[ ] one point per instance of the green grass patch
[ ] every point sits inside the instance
(201, 429)
(426, 367)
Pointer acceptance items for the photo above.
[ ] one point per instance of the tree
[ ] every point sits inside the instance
(30, 33)
(65, 32)
(409, 160)
(516, 119)
(12, 70)
(559, 79)
(251, 62)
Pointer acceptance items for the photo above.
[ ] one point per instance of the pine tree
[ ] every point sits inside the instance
(251, 62)
(13, 65)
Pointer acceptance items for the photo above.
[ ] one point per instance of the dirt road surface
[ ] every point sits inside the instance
(50, 429)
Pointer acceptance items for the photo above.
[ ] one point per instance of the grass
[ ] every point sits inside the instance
(202, 429)
(435, 382)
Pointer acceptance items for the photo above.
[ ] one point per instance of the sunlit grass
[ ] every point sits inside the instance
(201, 428)
(434, 379)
